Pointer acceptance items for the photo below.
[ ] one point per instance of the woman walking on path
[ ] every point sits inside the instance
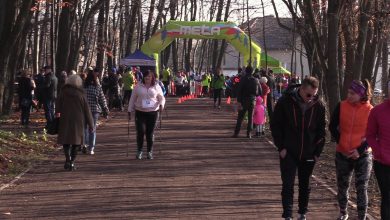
(348, 126)
(378, 137)
(218, 84)
(97, 104)
(146, 100)
(73, 111)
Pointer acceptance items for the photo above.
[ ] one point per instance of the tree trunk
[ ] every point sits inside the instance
(100, 39)
(385, 66)
(64, 36)
(160, 9)
(224, 43)
(363, 29)
(150, 17)
(370, 52)
(332, 75)
(136, 4)
(15, 24)
(378, 62)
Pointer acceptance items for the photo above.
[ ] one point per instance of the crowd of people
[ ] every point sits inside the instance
(293, 107)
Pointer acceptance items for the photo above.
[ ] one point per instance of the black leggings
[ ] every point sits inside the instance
(145, 122)
(217, 94)
(70, 152)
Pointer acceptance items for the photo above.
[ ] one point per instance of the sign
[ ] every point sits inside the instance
(200, 30)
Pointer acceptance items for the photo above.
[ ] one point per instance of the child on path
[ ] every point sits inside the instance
(259, 117)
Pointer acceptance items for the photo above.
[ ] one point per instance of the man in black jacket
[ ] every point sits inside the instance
(298, 130)
(247, 91)
(49, 94)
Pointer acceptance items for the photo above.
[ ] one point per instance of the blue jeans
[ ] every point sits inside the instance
(48, 106)
(90, 137)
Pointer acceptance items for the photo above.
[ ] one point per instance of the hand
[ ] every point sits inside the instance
(354, 155)
(91, 129)
(283, 153)
(129, 114)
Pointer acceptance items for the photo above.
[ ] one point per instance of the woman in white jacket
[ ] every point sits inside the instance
(146, 100)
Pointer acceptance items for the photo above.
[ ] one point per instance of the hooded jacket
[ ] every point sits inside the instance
(259, 112)
(297, 126)
(378, 132)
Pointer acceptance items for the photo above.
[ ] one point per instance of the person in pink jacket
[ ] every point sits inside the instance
(378, 137)
(259, 116)
(146, 100)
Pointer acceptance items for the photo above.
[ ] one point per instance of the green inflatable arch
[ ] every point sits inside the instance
(228, 31)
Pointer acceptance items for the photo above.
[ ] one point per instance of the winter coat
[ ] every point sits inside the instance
(378, 132)
(299, 127)
(74, 115)
(259, 112)
(265, 91)
(348, 126)
(248, 88)
(50, 87)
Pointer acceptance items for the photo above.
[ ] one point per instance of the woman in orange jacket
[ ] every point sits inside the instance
(348, 127)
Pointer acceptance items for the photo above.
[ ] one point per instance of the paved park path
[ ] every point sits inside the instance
(199, 172)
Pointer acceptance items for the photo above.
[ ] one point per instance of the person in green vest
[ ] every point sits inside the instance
(218, 85)
(205, 84)
(128, 84)
(166, 77)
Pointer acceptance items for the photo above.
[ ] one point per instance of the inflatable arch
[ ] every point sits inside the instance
(228, 31)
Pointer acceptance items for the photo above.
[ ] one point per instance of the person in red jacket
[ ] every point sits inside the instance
(348, 127)
(378, 137)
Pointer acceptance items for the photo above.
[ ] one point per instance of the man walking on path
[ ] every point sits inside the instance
(49, 94)
(248, 89)
(298, 130)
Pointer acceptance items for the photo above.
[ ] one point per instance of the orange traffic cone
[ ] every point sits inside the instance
(228, 100)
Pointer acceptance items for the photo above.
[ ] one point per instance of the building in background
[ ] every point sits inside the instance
(279, 43)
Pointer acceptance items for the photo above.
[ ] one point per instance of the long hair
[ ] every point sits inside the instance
(368, 93)
(147, 73)
(91, 79)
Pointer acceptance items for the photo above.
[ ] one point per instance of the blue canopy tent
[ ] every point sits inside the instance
(139, 59)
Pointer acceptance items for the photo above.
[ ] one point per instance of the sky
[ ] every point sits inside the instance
(258, 12)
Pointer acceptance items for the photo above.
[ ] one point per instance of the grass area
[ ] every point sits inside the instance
(19, 151)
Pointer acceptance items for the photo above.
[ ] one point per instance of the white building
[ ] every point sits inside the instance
(279, 44)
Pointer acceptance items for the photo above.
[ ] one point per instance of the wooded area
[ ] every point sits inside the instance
(343, 39)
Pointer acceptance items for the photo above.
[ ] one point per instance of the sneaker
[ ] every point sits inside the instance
(288, 218)
(139, 155)
(301, 217)
(343, 216)
(150, 156)
(219, 107)
(249, 135)
(91, 152)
